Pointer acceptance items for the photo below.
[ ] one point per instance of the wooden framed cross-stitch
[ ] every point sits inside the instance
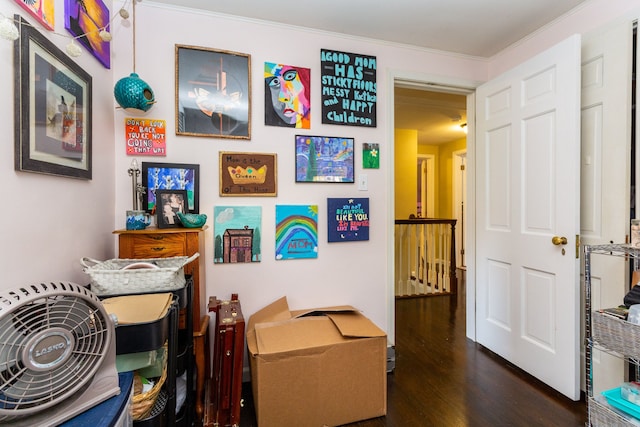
(248, 174)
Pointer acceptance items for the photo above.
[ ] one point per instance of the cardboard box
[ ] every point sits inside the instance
(317, 367)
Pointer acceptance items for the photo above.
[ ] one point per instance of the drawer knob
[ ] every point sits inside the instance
(158, 249)
(157, 237)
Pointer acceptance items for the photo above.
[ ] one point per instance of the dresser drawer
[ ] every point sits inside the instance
(157, 245)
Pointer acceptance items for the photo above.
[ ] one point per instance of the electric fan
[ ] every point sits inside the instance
(57, 354)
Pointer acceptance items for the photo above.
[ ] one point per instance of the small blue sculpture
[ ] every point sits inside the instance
(134, 93)
(192, 220)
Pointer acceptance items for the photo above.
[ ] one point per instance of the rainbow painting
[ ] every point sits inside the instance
(296, 231)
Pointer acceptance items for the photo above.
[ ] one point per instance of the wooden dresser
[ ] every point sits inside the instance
(168, 242)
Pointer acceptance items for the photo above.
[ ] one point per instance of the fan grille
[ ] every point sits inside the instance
(53, 338)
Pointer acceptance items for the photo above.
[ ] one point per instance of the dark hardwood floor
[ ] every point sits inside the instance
(443, 379)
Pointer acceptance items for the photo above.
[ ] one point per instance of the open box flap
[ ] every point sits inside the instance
(276, 329)
(322, 311)
(355, 325)
(349, 321)
(274, 312)
(296, 335)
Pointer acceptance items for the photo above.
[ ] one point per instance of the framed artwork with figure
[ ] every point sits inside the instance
(52, 110)
(213, 93)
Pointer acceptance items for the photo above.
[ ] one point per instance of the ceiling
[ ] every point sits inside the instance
(480, 28)
(437, 116)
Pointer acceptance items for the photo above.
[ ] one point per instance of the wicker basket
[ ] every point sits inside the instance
(143, 403)
(130, 276)
(601, 415)
(616, 334)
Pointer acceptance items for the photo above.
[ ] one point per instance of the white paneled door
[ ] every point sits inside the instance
(605, 170)
(527, 210)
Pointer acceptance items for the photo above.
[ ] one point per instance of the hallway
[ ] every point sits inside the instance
(442, 379)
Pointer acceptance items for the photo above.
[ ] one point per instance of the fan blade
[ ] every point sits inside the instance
(9, 346)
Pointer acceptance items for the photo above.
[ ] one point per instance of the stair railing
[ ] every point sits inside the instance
(425, 257)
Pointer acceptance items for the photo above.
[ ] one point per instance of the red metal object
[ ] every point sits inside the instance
(225, 388)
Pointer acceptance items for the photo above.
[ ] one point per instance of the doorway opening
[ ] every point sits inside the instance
(425, 204)
(430, 132)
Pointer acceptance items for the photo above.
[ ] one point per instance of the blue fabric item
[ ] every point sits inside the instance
(108, 412)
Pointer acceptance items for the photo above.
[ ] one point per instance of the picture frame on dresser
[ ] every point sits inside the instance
(170, 176)
(52, 108)
(169, 203)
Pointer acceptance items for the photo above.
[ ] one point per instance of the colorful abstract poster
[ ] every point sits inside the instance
(370, 156)
(237, 234)
(42, 10)
(145, 137)
(287, 96)
(324, 159)
(84, 20)
(349, 88)
(348, 219)
(296, 231)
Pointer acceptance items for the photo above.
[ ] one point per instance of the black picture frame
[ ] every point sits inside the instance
(53, 115)
(170, 176)
(328, 159)
(213, 92)
(169, 203)
(348, 101)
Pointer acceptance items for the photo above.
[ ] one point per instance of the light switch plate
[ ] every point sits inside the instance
(363, 182)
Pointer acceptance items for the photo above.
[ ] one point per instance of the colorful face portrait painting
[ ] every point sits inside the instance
(237, 234)
(287, 96)
(84, 20)
(296, 231)
(348, 219)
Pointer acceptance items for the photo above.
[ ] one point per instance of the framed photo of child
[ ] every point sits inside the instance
(169, 203)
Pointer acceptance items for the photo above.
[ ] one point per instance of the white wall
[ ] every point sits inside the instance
(50, 222)
(591, 15)
(344, 273)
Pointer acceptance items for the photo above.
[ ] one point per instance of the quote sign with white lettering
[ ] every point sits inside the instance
(348, 219)
(145, 137)
(349, 92)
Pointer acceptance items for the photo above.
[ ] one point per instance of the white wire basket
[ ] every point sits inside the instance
(120, 276)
